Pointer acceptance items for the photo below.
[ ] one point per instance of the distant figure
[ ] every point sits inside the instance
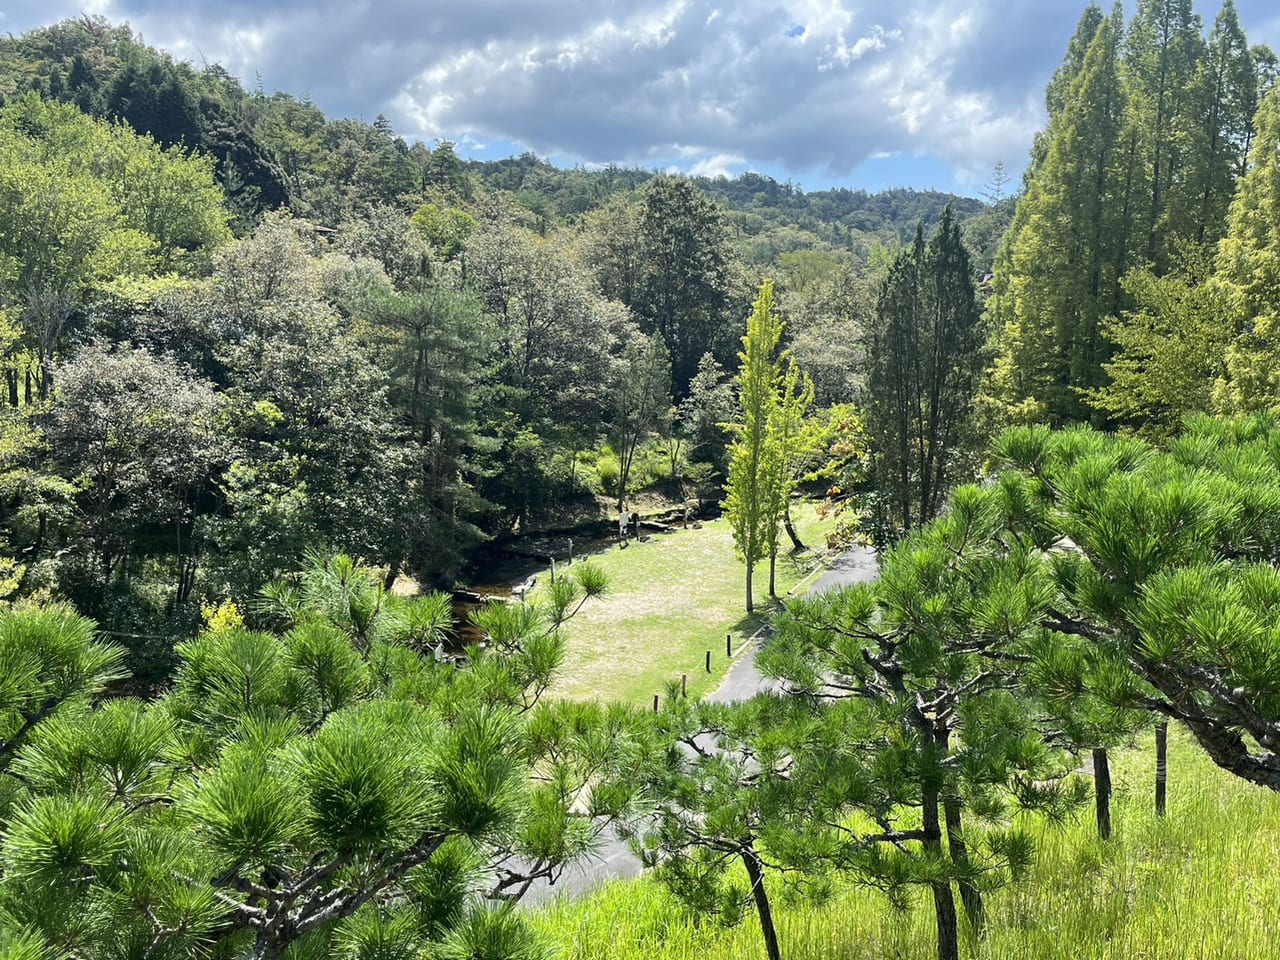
(688, 511)
(571, 551)
(624, 520)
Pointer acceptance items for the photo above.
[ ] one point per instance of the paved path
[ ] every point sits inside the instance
(743, 679)
(614, 858)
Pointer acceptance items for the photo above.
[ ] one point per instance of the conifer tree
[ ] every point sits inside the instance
(1170, 575)
(1224, 99)
(1000, 304)
(1163, 52)
(1249, 273)
(1060, 274)
(910, 678)
(335, 782)
(924, 356)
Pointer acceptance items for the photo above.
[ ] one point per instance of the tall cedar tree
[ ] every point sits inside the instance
(925, 358)
(1060, 271)
(1163, 52)
(1146, 136)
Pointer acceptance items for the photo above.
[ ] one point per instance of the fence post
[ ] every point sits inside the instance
(684, 685)
(728, 644)
(655, 703)
(708, 661)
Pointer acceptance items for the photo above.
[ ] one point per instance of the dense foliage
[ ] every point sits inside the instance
(244, 343)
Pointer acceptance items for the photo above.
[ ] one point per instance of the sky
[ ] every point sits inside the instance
(858, 93)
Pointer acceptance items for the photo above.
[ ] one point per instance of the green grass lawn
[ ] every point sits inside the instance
(671, 599)
(1200, 884)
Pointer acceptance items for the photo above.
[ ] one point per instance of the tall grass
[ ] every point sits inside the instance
(1202, 883)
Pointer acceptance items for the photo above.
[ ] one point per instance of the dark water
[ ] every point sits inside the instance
(497, 567)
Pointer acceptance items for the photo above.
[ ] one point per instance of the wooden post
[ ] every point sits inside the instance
(1162, 765)
(655, 703)
(728, 644)
(1102, 792)
(708, 661)
(684, 686)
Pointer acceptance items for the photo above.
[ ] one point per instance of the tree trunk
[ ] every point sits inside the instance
(11, 378)
(970, 895)
(1162, 765)
(773, 568)
(944, 903)
(790, 528)
(755, 873)
(750, 603)
(1102, 792)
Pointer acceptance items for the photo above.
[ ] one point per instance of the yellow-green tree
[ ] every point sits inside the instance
(752, 457)
(1170, 349)
(1249, 274)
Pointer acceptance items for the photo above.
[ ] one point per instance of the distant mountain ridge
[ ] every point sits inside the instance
(281, 150)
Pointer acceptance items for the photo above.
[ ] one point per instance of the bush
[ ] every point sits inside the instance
(608, 471)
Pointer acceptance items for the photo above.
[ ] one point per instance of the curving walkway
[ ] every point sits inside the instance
(614, 859)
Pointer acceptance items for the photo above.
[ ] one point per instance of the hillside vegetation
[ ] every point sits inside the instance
(271, 380)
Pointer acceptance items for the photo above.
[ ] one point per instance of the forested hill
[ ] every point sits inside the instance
(235, 332)
(755, 201)
(279, 149)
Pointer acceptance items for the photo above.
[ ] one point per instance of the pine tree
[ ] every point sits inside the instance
(1171, 628)
(910, 678)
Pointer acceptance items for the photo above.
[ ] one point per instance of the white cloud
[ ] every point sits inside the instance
(793, 85)
(717, 165)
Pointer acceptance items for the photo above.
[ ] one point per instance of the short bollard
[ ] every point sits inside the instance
(728, 644)
(655, 703)
(708, 661)
(684, 686)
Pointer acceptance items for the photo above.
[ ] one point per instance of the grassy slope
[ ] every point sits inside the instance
(1200, 884)
(672, 599)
